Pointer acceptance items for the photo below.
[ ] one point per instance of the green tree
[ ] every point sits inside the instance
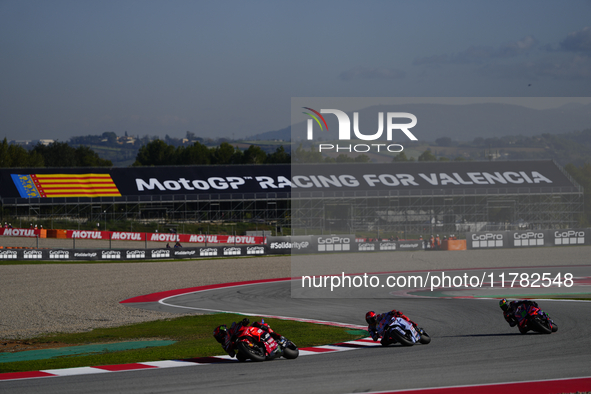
(110, 136)
(86, 157)
(400, 157)
(155, 153)
(343, 158)
(226, 154)
(57, 154)
(302, 155)
(279, 156)
(193, 154)
(427, 156)
(60, 154)
(254, 155)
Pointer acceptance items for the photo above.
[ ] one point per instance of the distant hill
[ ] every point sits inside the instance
(283, 134)
(465, 122)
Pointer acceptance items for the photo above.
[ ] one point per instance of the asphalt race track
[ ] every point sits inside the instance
(471, 344)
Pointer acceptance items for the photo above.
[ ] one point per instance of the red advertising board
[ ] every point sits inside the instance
(136, 236)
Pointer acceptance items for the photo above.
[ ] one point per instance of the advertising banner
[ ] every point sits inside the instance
(19, 232)
(411, 245)
(334, 243)
(290, 244)
(389, 246)
(487, 239)
(250, 180)
(527, 238)
(569, 237)
(137, 236)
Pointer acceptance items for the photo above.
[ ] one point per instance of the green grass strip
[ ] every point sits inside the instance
(193, 336)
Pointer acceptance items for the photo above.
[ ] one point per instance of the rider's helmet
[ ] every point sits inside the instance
(220, 333)
(371, 318)
(503, 304)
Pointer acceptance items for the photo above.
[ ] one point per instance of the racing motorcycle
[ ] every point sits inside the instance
(531, 317)
(400, 330)
(257, 344)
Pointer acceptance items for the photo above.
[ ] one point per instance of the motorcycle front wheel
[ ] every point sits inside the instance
(404, 340)
(291, 351)
(251, 351)
(425, 338)
(539, 325)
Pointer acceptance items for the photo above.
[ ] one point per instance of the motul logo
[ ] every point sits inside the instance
(87, 234)
(127, 236)
(164, 237)
(204, 238)
(241, 239)
(19, 232)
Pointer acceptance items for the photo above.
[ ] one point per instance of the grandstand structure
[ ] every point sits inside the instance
(199, 194)
(395, 199)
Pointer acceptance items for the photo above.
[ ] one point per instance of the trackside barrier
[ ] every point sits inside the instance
(527, 238)
(316, 244)
(135, 236)
(130, 254)
(335, 243)
(453, 244)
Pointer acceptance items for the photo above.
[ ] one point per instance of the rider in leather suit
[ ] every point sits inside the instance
(509, 309)
(378, 323)
(226, 337)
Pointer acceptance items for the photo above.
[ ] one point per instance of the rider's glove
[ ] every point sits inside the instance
(245, 322)
(282, 341)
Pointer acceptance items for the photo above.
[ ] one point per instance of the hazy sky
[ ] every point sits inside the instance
(230, 68)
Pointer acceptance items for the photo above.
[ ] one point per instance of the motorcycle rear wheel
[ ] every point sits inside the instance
(255, 353)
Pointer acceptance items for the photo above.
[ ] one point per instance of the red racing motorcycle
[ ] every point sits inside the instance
(256, 343)
(530, 317)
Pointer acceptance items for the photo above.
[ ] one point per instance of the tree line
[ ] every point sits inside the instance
(159, 153)
(154, 153)
(56, 154)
